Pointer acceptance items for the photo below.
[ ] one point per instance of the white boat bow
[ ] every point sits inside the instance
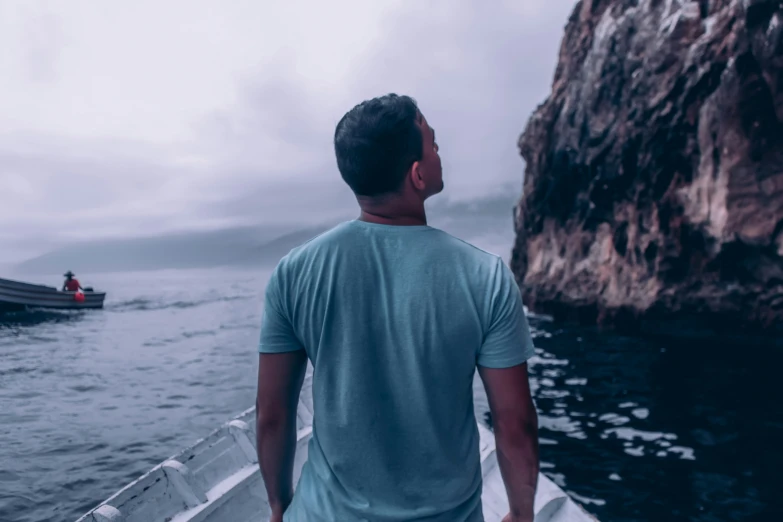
(218, 479)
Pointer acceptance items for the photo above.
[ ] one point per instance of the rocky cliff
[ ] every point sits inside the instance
(654, 171)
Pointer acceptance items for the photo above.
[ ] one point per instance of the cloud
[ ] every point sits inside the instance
(477, 72)
(143, 118)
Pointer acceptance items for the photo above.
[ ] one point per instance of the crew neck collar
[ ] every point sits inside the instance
(382, 226)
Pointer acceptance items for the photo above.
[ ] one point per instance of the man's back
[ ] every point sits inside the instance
(394, 320)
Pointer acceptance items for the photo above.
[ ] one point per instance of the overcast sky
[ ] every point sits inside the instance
(138, 118)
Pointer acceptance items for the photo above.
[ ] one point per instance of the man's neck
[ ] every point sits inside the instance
(392, 219)
(392, 212)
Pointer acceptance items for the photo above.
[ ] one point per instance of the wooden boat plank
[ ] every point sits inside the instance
(213, 466)
(60, 297)
(34, 303)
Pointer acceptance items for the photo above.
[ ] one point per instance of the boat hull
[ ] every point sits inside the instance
(15, 295)
(218, 479)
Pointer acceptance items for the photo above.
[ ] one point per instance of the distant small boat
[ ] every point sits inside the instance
(16, 295)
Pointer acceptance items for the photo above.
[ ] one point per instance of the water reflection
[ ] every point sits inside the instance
(560, 410)
(12, 321)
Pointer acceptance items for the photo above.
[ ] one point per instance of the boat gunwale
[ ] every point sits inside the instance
(32, 286)
(87, 517)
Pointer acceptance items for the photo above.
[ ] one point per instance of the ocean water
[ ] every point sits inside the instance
(634, 429)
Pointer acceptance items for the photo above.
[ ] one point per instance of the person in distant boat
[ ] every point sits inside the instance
(396, 318)
(71, 283)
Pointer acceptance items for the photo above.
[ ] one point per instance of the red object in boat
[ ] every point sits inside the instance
(78, 297)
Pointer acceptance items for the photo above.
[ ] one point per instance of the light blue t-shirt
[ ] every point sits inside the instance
(394, 320)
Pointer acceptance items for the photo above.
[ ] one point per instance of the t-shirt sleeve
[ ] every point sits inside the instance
(507, 341)
(277, 332)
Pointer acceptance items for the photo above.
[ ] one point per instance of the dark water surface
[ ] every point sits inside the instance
(634, 429)
(661, 430)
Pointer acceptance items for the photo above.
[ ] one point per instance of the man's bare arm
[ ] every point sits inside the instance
(515, 424)
(280, 377)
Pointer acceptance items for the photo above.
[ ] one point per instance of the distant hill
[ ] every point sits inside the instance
(272, 251)
(261, 245)
(236, 246)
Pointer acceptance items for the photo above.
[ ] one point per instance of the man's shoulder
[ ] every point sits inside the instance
(315, 244)
(322, 245)
(468, 250)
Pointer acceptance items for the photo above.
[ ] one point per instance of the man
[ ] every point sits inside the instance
(71, 283)
(395, 316)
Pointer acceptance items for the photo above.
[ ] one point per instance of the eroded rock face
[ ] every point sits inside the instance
(654, 171)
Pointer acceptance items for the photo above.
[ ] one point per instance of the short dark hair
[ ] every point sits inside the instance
(376, 143)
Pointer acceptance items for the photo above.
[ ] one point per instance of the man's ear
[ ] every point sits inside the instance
(417, 176)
